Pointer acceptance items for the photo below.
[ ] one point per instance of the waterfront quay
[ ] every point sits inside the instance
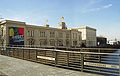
(17, 67)
(87, 60)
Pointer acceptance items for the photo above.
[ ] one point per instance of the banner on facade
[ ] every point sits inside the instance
(16, 36)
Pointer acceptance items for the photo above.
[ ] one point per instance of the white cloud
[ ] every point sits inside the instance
(97, 9)
(95, 1)
(107, 6)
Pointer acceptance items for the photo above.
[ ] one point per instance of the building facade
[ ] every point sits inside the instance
(113, 42)
(88, 35)
(101, 41)
(20, 33)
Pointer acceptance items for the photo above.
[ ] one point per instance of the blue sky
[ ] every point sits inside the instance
(104, 15)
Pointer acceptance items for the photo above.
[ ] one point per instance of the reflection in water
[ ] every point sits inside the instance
(113, 60)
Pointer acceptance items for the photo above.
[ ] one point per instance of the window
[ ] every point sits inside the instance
(52, 34)
(76, 35)
(67, 35)
(74, 43)
(60, 35)
(52, 42)
(2, 42)
(43, 42)
(42, 34)
(60, 43)
(30, 33)
(73, 35)
(79, 38)
(67, 43)
(31, 42)
(1, 31)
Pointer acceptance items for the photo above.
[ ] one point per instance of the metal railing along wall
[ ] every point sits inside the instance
(92, 60)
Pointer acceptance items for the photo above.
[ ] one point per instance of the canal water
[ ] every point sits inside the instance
(115, 61)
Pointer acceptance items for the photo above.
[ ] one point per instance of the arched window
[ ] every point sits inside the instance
(43, 42)
(60, 43)
(67, 42)
(52, 42)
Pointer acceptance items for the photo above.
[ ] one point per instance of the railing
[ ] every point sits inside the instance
(84, 59)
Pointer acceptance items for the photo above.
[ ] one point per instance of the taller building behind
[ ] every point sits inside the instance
(88, 35)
